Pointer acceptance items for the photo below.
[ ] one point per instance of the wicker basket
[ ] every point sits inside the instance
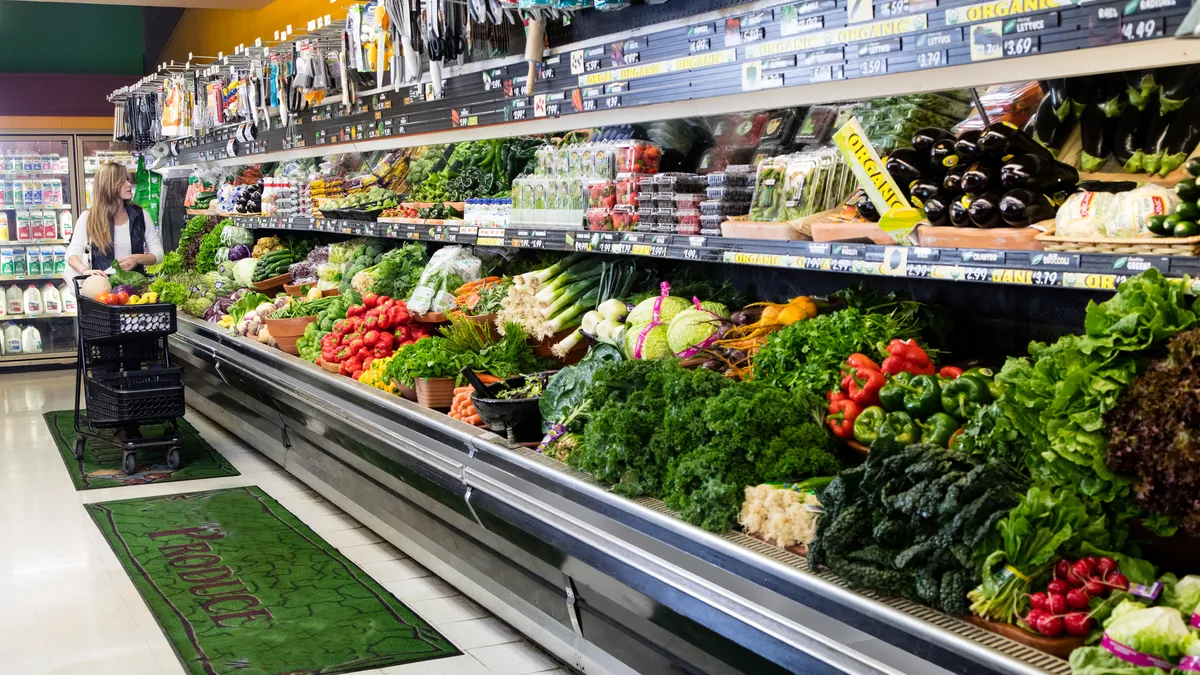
(1185, 246)
(269, 286)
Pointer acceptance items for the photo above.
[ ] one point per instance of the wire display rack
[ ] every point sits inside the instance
(125, 377)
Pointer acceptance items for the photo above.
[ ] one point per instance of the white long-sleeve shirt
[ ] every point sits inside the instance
(121, 243)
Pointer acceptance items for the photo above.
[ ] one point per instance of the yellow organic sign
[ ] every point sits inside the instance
(898, 217)
(659, 67)
(998, 9)
(839, 36)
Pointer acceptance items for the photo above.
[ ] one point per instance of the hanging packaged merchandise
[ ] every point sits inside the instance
(354, 30)
(173, 107)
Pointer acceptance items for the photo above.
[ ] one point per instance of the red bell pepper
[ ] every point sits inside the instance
(864, 386)
(383, 300)
(862, 361)
(906, 356)
(342, 354)
(356, 345)
(354, 311)
(950, 372)
(370, 300)
(370, 338)
(387, 340)
(381, 352)
(835, 395)
(339, 326)
(841, 418)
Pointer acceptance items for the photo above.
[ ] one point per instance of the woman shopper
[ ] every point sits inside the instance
(115, 233)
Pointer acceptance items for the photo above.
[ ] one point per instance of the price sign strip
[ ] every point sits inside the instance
(1099, 272)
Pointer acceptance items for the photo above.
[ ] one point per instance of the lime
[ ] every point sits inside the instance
(1188, 211)
(1187, 190)
(1185, 228)
(1157, 225)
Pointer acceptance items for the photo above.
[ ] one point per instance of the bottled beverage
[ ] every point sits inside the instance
(51, 299)
(66, 225)
(31, 340)
(12, 338)
(32, 301)
(13, 300)
(67, 295)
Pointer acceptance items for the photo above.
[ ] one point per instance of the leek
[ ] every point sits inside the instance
(570, 294)
(570, 316)
(567, 344)
(542, 276)
(549, 293)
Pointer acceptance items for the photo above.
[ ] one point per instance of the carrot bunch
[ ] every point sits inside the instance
(463, 408)
(467, 295)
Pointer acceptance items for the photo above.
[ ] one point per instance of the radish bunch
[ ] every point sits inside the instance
(1065, 605)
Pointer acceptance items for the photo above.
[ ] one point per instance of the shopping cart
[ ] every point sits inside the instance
(125, 376)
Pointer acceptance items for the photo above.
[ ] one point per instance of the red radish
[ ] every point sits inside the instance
(1118, 580)
(1057, 603)
(1083, 568)
(1078, 598)
(1051, 626)
(1040, 602)
(1075, 579)
(1062, 568)
(1104, 566)
(1035, 617)
(1092, 560)
(1058, 586)
(1077, 623)
(1095, 587)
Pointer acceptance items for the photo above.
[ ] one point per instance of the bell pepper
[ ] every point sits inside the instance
(868, 424)
(862, 361)
(355, 311)
(841, 418)
(900, 427)
(891, 395)
(922, 396)
(950, 372)
(938, 429)
(863, 386)
(994, 388)
(962, 397)
(370, 300)
(907, 356)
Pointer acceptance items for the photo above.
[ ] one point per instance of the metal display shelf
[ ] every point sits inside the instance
(607, 584)
(1089, 271)
(59, 358)
(36, 317)
(25, 277)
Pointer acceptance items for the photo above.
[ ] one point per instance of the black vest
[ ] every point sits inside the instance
(102, 260)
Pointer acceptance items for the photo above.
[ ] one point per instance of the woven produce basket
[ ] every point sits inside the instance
(1185, 246)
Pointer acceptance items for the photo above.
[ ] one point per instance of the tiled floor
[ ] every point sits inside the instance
(67, 606)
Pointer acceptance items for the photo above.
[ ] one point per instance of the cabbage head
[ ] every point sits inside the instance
(644, 312)
(654, 347)
(689, 328)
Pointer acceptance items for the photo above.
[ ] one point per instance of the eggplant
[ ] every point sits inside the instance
(1036, 172)
(1176, 86)
(1078, 91)
(1139, 86)
(984, 210)
(1098, 132)
(1004, 139)
(1108, 92)
(924, 139)
(952, 181)
(923, 190)
(1155, 143)
(1182, 136)
(957, 212)
(1130, 136)
(905, 165)
(1049, 129)
(1110, 186)
(982, 175)
(967, 146)
(936, 212)
(942, 153)
(1023, 207)
(866, 208)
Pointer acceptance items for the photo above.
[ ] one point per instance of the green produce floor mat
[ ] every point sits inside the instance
(101, 465)
(241, 586)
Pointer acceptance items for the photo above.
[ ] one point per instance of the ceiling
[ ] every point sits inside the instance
(206, 4)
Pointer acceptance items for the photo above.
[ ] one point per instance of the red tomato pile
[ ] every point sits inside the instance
(107, 298)
(1065, 605)
(372, 330)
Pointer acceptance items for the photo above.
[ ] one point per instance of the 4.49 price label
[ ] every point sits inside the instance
(1146, 28)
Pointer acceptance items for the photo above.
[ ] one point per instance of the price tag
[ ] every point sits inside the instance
(1045, 278)
(975, 274)
(1133, 30)
(1022, 46)
(656, 251)
(871, 67)
(763, 259)
(934, 59)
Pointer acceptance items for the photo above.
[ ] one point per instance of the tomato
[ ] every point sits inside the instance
(122, 298)
(104, 298)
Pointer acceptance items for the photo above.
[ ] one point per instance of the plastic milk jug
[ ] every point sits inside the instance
(31, 340)
(51, 301)
(32, 302)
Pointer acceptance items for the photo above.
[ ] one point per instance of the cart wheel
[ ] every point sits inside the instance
(80, 446)
(129, 462)
(173, 459)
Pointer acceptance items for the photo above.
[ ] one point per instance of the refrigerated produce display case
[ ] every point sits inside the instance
(37, 214)
(94, 152)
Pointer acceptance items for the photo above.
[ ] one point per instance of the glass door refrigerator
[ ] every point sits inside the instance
(94, 152)
(37, 214)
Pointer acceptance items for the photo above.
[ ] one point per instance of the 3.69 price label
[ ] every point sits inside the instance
(1021, 46)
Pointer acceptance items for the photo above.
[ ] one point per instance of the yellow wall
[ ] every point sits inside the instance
(209, 31)
(9, 124)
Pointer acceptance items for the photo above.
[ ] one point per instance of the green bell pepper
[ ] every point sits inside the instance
(900, 427)
(963, 396)
(938, 429)
(923, 396)
(868, 424)
(994, 388)
(891, 394)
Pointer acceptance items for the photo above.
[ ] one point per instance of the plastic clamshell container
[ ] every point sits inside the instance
(625, 218)
(734, 175)
(724, 209)
(729, 193)
(629, 188)
(601, 193)
(687, 221)
(680, 183)
(637, 157)
(688, 201)
(600, 219)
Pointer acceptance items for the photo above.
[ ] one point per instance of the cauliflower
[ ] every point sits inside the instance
(781, 516)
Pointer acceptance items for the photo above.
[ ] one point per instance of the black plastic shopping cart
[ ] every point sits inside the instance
(126, 378)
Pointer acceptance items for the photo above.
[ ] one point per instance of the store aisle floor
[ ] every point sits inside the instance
(67, 606)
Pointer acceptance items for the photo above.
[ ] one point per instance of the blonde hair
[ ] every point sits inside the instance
(106, 204)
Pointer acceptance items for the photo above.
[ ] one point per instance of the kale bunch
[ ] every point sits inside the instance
(1154, 435)
(908, 520)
